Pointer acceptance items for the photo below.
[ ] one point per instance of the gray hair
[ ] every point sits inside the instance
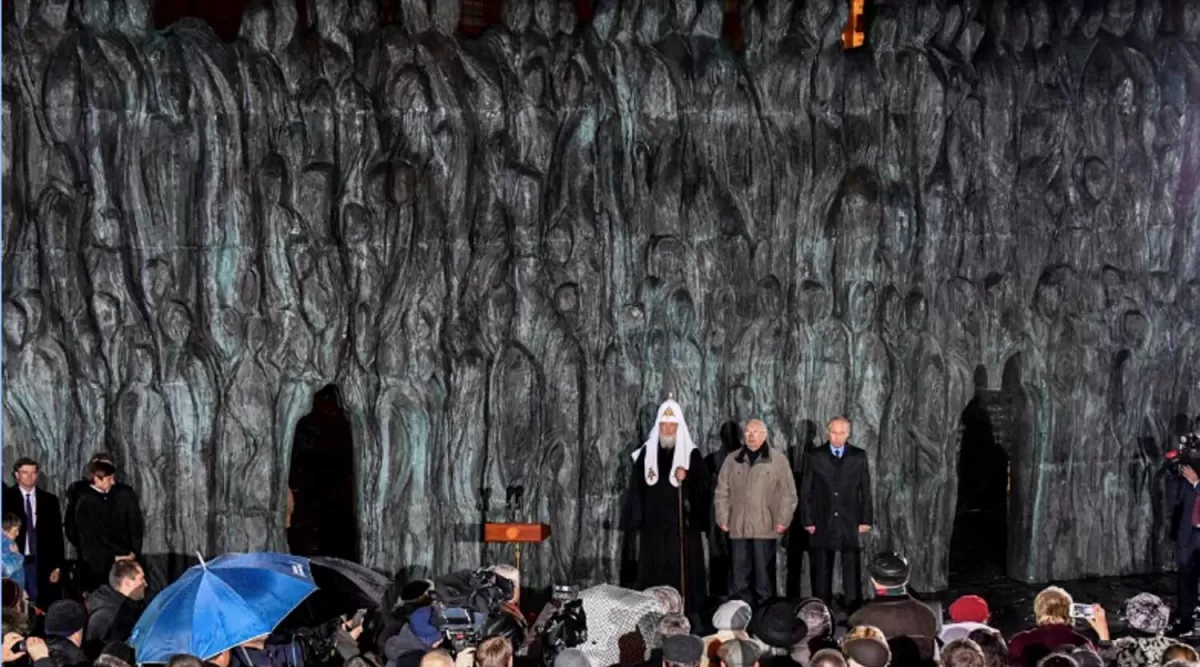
(674, 624)
(508, 572)
(572, 657)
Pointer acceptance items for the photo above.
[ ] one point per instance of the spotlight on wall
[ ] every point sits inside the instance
(854, 34)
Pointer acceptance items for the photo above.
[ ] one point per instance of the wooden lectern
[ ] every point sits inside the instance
(516, 534)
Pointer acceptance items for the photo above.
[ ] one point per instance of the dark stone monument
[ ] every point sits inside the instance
(505, 251)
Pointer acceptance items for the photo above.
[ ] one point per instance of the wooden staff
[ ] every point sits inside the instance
(682, 557)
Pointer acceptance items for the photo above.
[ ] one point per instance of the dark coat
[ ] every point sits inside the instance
(128, 511)
(405, 649)
(835, 496)
(111, 616)
(66, 654)
(1026, 648)
(655, 511)
(900, 616)
(105, 530)
(51, 551)
(1181, 495)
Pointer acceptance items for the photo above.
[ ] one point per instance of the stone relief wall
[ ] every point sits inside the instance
(506, 251)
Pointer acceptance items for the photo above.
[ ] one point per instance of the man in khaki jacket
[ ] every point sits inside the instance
(756, 495)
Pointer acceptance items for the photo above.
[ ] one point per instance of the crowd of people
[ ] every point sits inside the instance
(56, 616)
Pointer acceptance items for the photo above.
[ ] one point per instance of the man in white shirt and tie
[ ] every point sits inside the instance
(41, 536)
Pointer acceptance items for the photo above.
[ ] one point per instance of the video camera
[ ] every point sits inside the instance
(1187, 453)
(461, 629)
(566, 627)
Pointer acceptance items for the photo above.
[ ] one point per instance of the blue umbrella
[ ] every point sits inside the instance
(218, 605)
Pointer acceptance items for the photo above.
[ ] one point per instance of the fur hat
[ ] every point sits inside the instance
(1146, 612)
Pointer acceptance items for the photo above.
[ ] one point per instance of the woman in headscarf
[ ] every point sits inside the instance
(1147, 618)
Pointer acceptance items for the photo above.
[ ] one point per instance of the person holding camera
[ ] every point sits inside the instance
(418, 637)
(17, 647)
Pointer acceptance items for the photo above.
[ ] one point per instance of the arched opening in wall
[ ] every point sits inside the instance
(980, 536)
(324, 516)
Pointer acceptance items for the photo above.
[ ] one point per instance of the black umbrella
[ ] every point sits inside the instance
(343, 587)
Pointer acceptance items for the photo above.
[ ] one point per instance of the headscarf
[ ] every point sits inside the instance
(668, 598)
(668, 413)
(1147, 613)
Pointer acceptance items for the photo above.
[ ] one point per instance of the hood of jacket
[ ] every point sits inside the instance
(105, 597)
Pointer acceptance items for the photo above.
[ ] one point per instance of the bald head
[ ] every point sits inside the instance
(755, 434)
(437, 659)
(839, 431)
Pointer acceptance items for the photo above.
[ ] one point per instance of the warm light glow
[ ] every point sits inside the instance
(854, 34)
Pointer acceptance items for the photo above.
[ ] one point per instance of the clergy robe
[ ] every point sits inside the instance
(655, 517)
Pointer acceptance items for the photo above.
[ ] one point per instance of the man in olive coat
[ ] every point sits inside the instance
(835, 486)
(755, 499)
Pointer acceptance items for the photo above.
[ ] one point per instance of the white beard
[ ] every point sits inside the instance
(666, 442)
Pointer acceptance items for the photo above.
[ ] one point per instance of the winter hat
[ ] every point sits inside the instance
(969, 609)
(867, 651)
(738, 653)
(733, 615)
(684, 649)
(1146, 612)
(776, 624)
(421, 624)
(816, 616)
(668, 598)
(889, 569)
(116, 654)
(65, 617)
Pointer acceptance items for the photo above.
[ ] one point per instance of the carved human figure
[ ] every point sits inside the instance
(871, 373)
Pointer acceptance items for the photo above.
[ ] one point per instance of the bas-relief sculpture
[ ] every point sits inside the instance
(504, 252)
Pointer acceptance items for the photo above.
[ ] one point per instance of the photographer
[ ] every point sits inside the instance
(1184, 498)
(415, 639)
(17, 647)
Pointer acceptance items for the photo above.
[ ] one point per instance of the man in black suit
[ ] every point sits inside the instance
(835, 508)
(41, 536)
(1184, 497)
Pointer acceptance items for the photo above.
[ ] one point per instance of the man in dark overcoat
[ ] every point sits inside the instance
(835, 508)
